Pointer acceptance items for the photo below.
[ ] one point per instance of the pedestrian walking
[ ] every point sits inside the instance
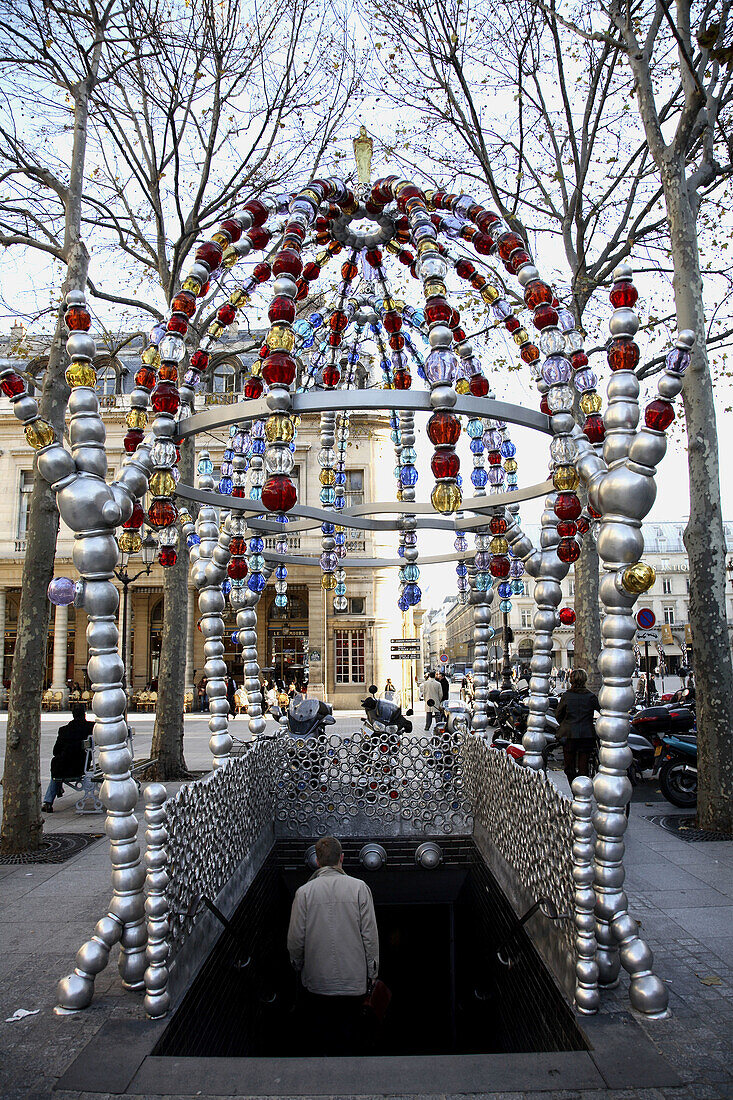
(231, 696)
(69, 754)
(444, 685)
(201, 693)
(433, 694)
(333, 943)
(576, 731)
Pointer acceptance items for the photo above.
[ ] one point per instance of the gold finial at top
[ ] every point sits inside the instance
(363, 147)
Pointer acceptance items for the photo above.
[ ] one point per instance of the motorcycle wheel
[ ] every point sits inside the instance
(678, 785)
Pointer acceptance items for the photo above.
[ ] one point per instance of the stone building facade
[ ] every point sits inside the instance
(342, 654)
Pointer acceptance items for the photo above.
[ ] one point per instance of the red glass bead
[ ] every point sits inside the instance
(509, 243)
(311, 271)
(568, 550)
(374, 256)
(594, 428)
(437, 310)
(200, 360)
(494, 458)
(302, 290)
(278, 493)
(499, 566)
(583, 525)
(545, 405)
(137, 517)
(544, 317)
(294, 233)
(566, 529)
(445, 463)
(373, 208)
(13, 384)
(578, 360)
(260, 238)
(483, 244)
(162, 513)
(334, 340)
(185, 303)
(239, 491)
(567, 506)
(659, 415)
(465, 269)
(282, 309)
(237, 569)
(278, 369)
(567, 616)
(511, 323)
(349, 271)
(478, 385)
(443, 429)
(204, 289)
(468, 232)
(132, 440)
(392, 321)
(253, 388)
(238, 546)
(397, 341)
(537, 294)
(262, 272)
(498, 525)
(233, 228)
(226, 314)
(164, 398)
(455, 319)
(519, 259)
(592, 512)
(258, 211)
(623, 354)
(623, 294)
(402, 380)
(287, 262)
(77, 319)
(405, 257)
(338, 321)
(168, 373)
(209, 254)
(485, 220)
(167, 556)
(331, 377)
(529, 353)
(177, 324)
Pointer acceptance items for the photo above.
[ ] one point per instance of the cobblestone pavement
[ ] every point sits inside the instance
(681, 892)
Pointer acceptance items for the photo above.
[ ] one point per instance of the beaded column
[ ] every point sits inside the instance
(247, 624)
(482, 632)
(157, 999)
(586, 968)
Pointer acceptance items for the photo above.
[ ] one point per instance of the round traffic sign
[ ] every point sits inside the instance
(444, 658)
(645, 618)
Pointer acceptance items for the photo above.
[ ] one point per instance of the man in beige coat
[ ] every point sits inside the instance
(334, 944)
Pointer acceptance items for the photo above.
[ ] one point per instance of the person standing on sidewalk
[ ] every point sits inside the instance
(333, 943)
(433, 695)
(576, 731)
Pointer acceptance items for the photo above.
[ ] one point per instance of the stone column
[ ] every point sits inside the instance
(60, 643)
(2, 645)
(190, 636)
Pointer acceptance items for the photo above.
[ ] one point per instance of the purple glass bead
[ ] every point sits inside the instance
(482, 560)
(440, 367)
(493, 440)
(516, 568)
(501, 309)
(61, 591)
(192, 378)
(585, 380)
(556, 369)
(678, 360)
(496, 475)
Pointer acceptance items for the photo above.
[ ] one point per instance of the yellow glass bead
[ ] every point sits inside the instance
(193, 285)
(510, 465)
(162, 484)
(296, 420)
(306, 193)
(184, 517)
(389, 303)
(394, 247)
(81, 374)
(462, 385)
(591, 403)
(398, 494)
(426, 245)
(521, 336)
(239, 297)
(229, 258)
(489, 293)
(221, 238)
(498, 545)
(136, 418)
(280, 338)
(39, 433)
(327, 477)
(328, 581)
(349, 207)
(322, 258)
(256, 369)
(151, 357)
(638, 578)
(215, 329)
(279, 429)
(388, 386)
(446, 497)
(433, 287)
(339, 528)
(565, 478)
(430, 199)
(129, 542)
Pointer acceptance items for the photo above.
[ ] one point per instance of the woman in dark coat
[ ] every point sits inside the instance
(577, 731)
(69, 754)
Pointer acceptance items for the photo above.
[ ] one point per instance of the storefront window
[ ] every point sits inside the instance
(350, 656)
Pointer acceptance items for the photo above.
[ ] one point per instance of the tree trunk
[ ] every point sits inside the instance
(587, 615)
(22, 823)
(168, 733)
(704, 537)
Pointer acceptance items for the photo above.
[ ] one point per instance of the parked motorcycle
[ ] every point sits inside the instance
(676, 764)
(661, 720)
(308, 717)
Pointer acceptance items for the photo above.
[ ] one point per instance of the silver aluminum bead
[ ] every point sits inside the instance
(527, 273)
(80, 345)
(440, 336)
(25, 407)
(443, 397)
(279, 400)
(284, 285)
(199, 271)
(624, 322)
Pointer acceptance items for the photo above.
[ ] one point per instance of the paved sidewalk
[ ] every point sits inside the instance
(681, 892)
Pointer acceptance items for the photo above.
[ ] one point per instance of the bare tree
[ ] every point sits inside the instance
(58, 53)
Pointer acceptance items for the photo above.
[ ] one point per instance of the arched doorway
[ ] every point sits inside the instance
(287, 637)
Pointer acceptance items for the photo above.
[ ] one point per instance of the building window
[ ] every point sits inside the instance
(525, 617)
(668, 614)
(24, 502)
(667, 586)
(571, 588)
(224, 378)
(354, 488)
(350, 656)
(106, 385)
(357, 605)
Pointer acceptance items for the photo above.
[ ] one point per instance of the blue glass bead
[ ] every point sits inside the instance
(479, 478)
(505, 590)
(339, 503)
(257, 544)
(402, 603)
(340, 538)
(461, 569)
(340, 589)
(281, 573)
(517, 588)
(228, 453)
(508, 450)
(235, 637)
(256, 563)
(505, 605)
(256, 582)
(408, 475)
(258, 447)
(328, 494)
(410, 538)
(255, 493)
(475, 429)
(281, 600)
(401, 550)
(192, 540)
(316, 319)
(408, 456)
(340, 477)
(328, 528)
(226, 485)
(477, 446)
(461, 544)
(205, 466)
(412, 594)
(226, 586)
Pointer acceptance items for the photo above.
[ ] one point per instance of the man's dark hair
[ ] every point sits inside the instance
(78, 712)
(431, 675)
(328, 851)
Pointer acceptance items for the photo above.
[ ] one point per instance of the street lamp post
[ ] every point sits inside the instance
(506, 666)
(147, 551)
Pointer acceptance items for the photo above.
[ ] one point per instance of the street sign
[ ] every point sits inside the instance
(645, 618)
(405, 641)
(648, 635)
(444, 658)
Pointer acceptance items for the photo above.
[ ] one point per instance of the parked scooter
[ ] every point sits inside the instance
(676, 763)
(308, 717)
